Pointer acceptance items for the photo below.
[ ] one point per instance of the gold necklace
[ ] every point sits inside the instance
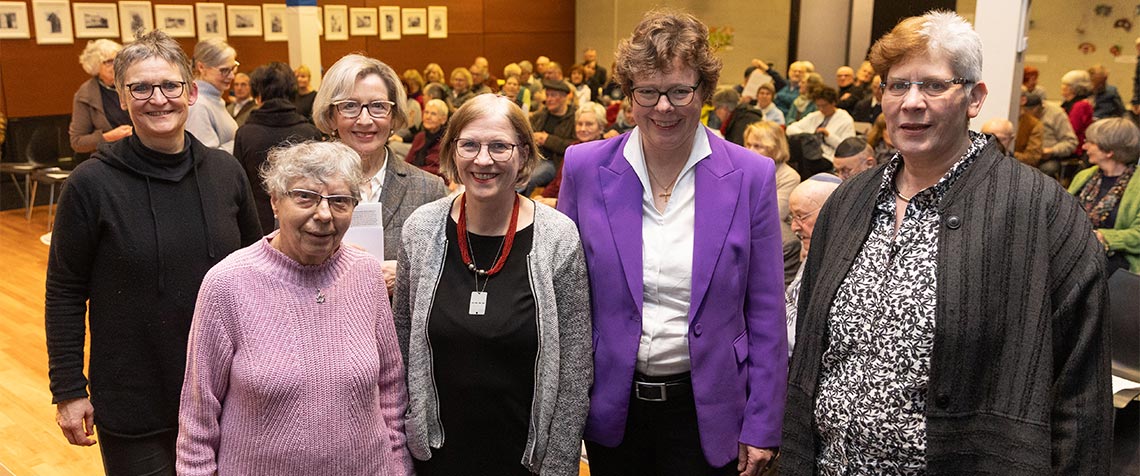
(668, 189)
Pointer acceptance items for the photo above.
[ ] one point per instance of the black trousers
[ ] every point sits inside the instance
(147, 456)
(661, 439)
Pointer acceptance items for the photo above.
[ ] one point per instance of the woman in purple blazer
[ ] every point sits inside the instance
(682, 241)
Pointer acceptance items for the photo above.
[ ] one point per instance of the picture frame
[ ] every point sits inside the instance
(176, 20)
(274, 18)
(415, 21)
(135, 17)
(362, 22)
(336, 22)
(14, 21)
(211, 20)
(389, 23)
(53, 22)
(96, 20)
(437, 22)
(244, 20)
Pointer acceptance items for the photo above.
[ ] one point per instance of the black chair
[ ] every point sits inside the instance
(1124, 323)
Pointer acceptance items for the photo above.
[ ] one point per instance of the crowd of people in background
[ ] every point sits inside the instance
(643, 205)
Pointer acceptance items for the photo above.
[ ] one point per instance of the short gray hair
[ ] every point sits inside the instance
(439, 105)
(212, 52)
(96, 52)
(340, 80)
(1117, 135)
(317, 161)
(594, 108)
(726, 97)
(153, 44)
(1079, 81)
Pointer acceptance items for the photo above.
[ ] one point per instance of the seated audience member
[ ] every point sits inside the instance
(612, 90)
(243, 102)
(850, 90)
(1075, 90)
(871, 105)
(785, 96)
(596, 75)
(764, 104)
(424, 152)
(831, 123)
(853, 156)
(803, 206)
(214, 68)
(274, 123)
(1002, 130)
(461, 81)
(512, 89)
(734, 115)
(305, 92)
(526, 74)
(1106, 99)
(880, 140)
(553, 132)
(804, 104)
(489, 81)
(767, 138)
(1110, 194)
(553, 72)
(625, 121)
(540, 65)
(582, 93)
(1027, 146)
(414, 84)
(435, 91)
(433, 74)
(293, 352)
(589, 122)
(1029, 82)
(1058, 141)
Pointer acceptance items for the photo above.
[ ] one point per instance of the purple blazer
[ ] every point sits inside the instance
(737, 337)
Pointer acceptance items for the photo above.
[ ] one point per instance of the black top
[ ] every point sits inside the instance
(304, 104)
(483, 365)
(116, 116)
(274, 123)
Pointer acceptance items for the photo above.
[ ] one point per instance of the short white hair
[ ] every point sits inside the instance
(952, 36)
(96, 52)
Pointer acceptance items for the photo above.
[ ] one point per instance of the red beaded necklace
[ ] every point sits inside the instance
(504, 250)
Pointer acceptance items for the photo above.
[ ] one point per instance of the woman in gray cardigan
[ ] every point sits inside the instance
(492, 312)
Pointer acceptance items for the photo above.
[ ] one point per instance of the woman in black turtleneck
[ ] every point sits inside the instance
(276, 121)
(424, 152)
(137, 229)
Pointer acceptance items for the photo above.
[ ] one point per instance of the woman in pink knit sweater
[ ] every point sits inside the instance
(293, 365)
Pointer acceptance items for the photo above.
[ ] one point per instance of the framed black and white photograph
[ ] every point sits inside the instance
(96, 20)
(274, 16)
(211, 20)
(244, 20)
(135, 18)
(336, 22)
(14, 21)
(389, 23)
(362, 21)
(176, 20)
(415, 21)
(437, 22)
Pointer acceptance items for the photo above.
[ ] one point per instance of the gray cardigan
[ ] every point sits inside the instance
(564, 371)
(88, 122)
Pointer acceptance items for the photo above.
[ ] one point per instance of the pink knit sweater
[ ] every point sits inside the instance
(279, 383)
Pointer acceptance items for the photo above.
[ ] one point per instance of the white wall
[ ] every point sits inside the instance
(823, 35)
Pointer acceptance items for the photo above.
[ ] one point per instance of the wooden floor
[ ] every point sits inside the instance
(30, 441)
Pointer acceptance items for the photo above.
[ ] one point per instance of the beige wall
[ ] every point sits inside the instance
(761, 28)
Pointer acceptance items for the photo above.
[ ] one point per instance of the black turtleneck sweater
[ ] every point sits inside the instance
(135, 233)
(274, 123)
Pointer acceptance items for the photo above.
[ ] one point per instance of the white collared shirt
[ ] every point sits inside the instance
(370, 192)
(666, 262)
(240, 104)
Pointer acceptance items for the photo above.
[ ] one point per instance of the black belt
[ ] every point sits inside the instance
(660, 389)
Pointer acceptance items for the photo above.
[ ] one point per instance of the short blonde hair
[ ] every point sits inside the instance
(482, 107)
(340, 80)
(771, 135)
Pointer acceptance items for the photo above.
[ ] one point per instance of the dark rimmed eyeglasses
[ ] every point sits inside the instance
(498, 151)
(144, 91)
(351, 109)
(678, 96)
(307, 199)
(928, 87)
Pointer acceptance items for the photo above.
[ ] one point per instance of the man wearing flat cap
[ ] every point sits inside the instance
(553, 132)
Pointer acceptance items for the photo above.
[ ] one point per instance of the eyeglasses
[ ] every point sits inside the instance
(801, 219)
(144, 91)
(928, 87)
(351, 109)
(228, 70)
(499, 151)
(307, 199)
(678, 96)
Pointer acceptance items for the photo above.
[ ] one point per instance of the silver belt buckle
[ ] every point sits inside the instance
(662, 385)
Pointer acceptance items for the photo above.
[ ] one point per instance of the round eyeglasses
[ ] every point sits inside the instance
(307, 199)
(498, 151)
(144, 91)
(351, 109)
(678, 96)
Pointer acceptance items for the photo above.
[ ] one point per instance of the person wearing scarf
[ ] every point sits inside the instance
(1107, 193)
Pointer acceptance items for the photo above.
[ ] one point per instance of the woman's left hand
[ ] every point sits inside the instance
(389, 269)
(753, 460)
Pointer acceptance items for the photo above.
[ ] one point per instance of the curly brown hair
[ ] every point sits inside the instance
(662, 38)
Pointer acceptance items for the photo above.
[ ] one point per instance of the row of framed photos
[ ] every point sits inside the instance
(53, 21)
